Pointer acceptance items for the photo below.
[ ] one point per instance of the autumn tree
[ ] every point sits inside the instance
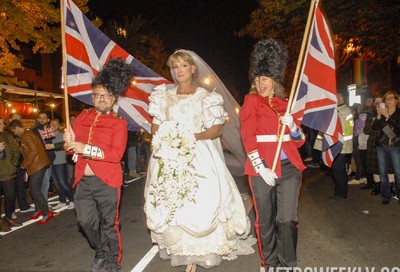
(370, 27)
(32, 22)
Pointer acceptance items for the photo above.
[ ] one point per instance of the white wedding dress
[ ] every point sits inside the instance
(216, 226)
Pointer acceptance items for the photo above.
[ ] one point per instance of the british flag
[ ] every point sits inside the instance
(315, 102)
(87, 49)
(47, 133)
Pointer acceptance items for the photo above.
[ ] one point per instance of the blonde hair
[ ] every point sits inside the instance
(253, 88)
(185, 56)
(390, 92)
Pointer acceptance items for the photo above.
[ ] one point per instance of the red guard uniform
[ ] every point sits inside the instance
(108, 132)
(97, 197)
(275, 206)
(260, 116)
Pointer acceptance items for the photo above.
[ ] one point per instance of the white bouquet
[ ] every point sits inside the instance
(173, 146)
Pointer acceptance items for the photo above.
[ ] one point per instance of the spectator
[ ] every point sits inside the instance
(339, 165)
(359, 172)
(387, 122)
(372, 168)
(35, 162)
(59, 171)
(9, 159)
(359, 126)
(20, 185)
(45, 133)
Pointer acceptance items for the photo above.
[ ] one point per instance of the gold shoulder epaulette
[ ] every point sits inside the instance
(117, 115)
(86, 111)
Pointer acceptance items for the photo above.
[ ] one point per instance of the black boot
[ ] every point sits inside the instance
(370, 182)
(376, 190)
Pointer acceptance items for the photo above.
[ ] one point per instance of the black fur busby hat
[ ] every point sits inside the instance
(115, 76)
(268, 59)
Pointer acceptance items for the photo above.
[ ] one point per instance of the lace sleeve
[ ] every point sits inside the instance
(213, 110)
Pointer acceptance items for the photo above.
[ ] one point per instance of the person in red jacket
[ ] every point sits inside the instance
(99, 138)
(275, 194)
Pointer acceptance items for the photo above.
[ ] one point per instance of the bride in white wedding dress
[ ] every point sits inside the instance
(193, 207)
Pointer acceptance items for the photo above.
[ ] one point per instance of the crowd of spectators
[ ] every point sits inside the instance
(374, 159)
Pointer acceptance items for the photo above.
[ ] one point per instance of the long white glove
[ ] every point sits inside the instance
(267, 175)
(287, 120)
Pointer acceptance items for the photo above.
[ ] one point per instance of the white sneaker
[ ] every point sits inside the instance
(71, 206)
(13, 216)
(355, 181)
(59, 206)
(363, 180)
(30, 209)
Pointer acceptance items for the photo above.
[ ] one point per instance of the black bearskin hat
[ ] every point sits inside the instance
(268, 59)
(115, 76)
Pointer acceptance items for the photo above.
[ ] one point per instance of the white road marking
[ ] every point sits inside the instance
(31, 221)
(126, 182)
(141, 265)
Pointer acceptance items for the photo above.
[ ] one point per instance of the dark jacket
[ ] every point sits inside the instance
(32, 148)
(9, 158)
(393, 122)
(46, 140)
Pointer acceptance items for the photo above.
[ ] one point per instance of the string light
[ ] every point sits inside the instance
(121, 31)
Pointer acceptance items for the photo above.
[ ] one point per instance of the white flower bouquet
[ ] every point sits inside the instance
(173, 146)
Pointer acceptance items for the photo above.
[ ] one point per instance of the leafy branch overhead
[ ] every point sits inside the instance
(369, 29)
(32, 22)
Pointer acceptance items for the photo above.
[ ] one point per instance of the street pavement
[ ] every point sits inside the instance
(357, 232)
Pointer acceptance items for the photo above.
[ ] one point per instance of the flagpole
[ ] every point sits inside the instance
(313, 5)
(64, 64)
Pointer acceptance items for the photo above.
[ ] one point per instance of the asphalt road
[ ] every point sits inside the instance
(357, 232)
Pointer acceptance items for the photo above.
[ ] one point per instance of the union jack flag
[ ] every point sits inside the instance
(315, 102)
(47, 134)
(87, 50)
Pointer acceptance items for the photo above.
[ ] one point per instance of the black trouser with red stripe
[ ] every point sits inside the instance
(276, 216)
(97, 209)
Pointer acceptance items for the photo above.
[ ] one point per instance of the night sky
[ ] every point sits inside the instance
(205, 27)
